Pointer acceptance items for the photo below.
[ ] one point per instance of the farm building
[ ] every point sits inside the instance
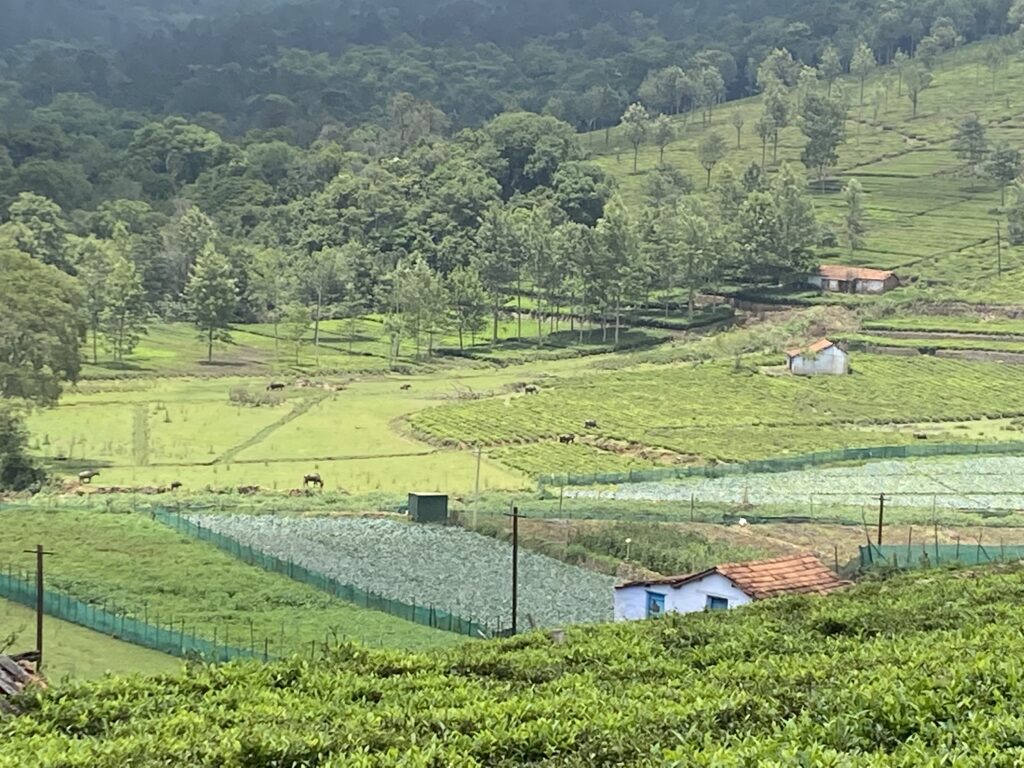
(724, 586)
(839, 279)
(822, 358)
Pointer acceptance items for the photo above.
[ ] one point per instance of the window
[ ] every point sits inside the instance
(717, 603)
(655, 604)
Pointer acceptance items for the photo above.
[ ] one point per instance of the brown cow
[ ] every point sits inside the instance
(87, 475)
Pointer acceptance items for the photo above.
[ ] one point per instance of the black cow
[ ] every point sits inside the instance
(590, 424)
(176, 485)
(405, 387)
(567, 439)
(275, 386)
(531, 389)
(313, 479)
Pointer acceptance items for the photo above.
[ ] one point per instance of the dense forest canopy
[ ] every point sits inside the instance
(290, 67)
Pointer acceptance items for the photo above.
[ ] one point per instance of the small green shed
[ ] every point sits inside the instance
(428, 507)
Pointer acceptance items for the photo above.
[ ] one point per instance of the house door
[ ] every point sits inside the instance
(655, 604)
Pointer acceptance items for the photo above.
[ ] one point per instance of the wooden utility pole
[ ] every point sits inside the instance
(40, 553)
(881, 515)
(515, 568)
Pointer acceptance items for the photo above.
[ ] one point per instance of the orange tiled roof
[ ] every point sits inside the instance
(819, 346)
(840, 272)
(792, 574)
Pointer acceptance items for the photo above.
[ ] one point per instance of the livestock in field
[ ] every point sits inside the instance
(567, 439)
(405, 387)
(87, 475)
(313, 479)
(176, 485)
(275, 386)
(590, 424)
(920, 435)
(531, 389)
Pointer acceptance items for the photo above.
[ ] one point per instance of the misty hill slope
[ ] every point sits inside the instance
(921, 670)
(928, 219)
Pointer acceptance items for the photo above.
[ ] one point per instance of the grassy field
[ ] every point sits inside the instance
(128, 562)
(925, 219)
(75, 653)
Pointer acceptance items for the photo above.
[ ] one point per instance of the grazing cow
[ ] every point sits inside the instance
(567, 439)
(405, 387)
(275, 386)
(87, 475)
(313, 479)
(590, 424)
(176, 485)
(920, 435)
(531, 389)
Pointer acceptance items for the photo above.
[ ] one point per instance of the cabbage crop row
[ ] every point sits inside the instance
(953, 483)
(462, 572)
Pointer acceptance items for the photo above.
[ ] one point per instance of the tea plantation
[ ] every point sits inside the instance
(880, 675)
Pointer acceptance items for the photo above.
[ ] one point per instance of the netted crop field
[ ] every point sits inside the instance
(450, 568)
(965, 484)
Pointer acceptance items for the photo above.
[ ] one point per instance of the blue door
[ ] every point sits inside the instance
(655, 604)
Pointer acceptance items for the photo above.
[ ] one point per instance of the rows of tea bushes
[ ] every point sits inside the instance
(921, 670)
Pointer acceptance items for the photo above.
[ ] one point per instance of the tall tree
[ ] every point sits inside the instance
(855, 219)
(862, 65)
(93, 262)
(40, 230)
(1005, 165)
(272, 284)
(830, 66)
(618, 245)
(495, 260)
(316, 275)
(900, 62)
(211, 296)
(823, 122)
(636, 122)
(123, 320)
(711, 150)
(917, 80)
(777, 109)
(970, 144)
(663, 132)
(737, 123)
(765, 129)
(468, 303)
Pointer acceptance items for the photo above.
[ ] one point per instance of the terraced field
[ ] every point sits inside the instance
(716, 412)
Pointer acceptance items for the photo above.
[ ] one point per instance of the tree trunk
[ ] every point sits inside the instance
(461, 347)
(540, 323)
(494, 336)
(764, 152)
(618, 316)
(316, 329)
(275, 336)
(519, 305)
(94, 358)
(209, 346)
(739, 141)
(636, 155)
(709, 178)
(775, 147)
(661, 155)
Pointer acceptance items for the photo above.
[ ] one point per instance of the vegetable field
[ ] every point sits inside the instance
(964, 484)
(921, 670)
(464, 573)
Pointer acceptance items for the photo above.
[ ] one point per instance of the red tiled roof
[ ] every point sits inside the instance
(819, 346)
(840, 272)
(792, 574)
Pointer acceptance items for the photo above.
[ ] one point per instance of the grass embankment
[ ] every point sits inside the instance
(76, 653)
(130, 563)
(877, 675)
(927, 219)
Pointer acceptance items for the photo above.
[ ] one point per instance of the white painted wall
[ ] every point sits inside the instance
(831, 362)
(631, 602)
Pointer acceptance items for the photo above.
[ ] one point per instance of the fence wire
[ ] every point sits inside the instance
(927, 555)
(172, 640)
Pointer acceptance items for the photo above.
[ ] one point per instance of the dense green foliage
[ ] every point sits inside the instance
(918, 671)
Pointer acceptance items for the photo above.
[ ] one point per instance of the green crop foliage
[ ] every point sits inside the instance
(716, 411)
(919, 670)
